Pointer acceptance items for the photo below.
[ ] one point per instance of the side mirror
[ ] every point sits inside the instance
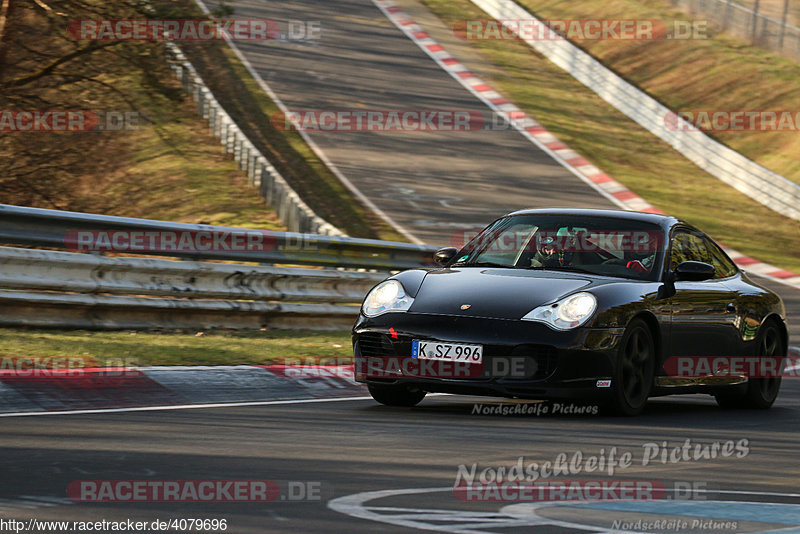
(694, 271)
(444, 255)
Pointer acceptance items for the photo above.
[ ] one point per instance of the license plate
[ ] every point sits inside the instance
(451, 352)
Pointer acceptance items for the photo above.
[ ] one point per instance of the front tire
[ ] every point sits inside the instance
(760, 393)
(396, 395)
(633, 380)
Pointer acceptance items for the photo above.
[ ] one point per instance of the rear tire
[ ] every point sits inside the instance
(760, 393)
(396, 395)
(635, 368)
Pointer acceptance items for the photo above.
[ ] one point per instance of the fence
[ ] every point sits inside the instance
(766, 23)
(759, 183)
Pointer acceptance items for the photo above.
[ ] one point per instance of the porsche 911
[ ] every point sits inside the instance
(606, 306)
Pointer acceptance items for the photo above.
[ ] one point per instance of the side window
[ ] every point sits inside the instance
(688, 247)
(724, 266)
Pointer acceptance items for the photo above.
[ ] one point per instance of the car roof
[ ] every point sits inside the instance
(664, 221)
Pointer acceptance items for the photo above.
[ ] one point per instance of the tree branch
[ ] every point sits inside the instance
(24, 80)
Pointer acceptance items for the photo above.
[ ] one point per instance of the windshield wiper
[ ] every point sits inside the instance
(482, 264)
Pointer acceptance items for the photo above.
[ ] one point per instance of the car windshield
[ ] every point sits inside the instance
(606, 246)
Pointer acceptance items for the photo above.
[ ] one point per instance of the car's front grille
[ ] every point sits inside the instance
(377, 344)
(527, 361)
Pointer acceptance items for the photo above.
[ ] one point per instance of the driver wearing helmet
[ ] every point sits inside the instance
(552, 252)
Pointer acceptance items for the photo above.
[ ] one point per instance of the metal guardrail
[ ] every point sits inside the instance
(46, 288)
(55, 288)
(57, 229)
(48, 270)
(759, 183)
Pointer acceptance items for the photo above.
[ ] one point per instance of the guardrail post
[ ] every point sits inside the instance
(293, 224)
(755, 19)
(223, 129)
(201, 103)
(251, 167)
(783, 23)
(220, 123)
(212, 117)
(196, 92)
(230, 142)
(185, 79)
(266, 184)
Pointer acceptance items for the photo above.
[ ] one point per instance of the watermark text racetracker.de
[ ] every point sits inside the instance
(360, 120)
(444, 366)
(610, 240)
(733, 120)
(395, 120)
(240, 29)
(531, 29)
(732, 366)
(60, 120)
(582, 490)
(30, 366)
(218, 491)
(165, 241)
(50, 368)
(56, 367)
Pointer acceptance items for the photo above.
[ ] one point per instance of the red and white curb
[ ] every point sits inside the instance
(546, 141)
(53, 390)
(115, 390)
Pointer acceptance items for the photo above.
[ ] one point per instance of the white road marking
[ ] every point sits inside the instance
(461, 521)
(470, 522)
(184, 406)
(194, 406)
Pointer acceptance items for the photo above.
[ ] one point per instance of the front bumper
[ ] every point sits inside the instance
(520, 358)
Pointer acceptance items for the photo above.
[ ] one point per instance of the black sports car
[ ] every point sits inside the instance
(600, 305)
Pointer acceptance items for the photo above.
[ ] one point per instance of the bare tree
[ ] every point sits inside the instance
(43, 68)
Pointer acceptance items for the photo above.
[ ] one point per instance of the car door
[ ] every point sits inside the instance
(702, 312)
(740, 324)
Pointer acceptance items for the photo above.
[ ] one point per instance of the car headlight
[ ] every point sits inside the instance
(388, 296)
(565, 314)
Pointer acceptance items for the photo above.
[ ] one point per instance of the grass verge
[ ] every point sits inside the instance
(712, 72)
(188, 179)
(626, 151)
(175, 348)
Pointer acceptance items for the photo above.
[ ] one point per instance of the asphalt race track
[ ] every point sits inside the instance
(372, 468)
(431, 183)
(352, 447)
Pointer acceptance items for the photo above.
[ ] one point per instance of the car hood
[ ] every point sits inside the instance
(494, 293)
